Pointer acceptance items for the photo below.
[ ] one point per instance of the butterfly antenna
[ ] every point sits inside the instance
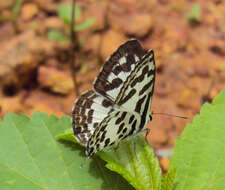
(170, 115)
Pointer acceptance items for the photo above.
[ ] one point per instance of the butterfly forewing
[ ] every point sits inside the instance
(137, 91)
(139, 83)
(117, 68)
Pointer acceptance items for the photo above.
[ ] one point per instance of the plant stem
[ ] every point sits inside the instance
(73, 38)
(106, 26)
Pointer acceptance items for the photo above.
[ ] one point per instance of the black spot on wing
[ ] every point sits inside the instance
(107, 141)
(143, 119)
(103, 136)
(121, 118)
(131, 119)
(120, 136)
(112, 143)
(126, 98)
(126, 50)
(90, 116)
(77, 130)
(145, 87)
(124, 130)
(141, 77)
(98, 147)
(139, 104)
(90, 151)
(133, 127)
(120, 128)
(106, 103)
(103, 128)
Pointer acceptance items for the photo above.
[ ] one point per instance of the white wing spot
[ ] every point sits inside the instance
(122, 60)
(136, 58)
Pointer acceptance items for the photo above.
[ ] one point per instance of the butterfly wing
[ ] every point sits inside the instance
(117, 68)
(136, 94)
(115, 127)
(118, 105)
(89, 111)
(133, 104)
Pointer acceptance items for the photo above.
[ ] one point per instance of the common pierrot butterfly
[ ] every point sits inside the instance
(118, 106)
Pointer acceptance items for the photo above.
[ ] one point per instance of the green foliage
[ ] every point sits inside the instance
(32, 159)
(142, 170)
(64, 11)
(195, 15)
(199, 156)
(168, 180)
(84, 25)
(220, 99)
(57, 35)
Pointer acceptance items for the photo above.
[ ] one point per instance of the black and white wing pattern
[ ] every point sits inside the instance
(88, 112)
(119, 104)
(117, 68)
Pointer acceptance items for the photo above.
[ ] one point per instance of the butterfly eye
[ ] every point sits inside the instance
(150, 117)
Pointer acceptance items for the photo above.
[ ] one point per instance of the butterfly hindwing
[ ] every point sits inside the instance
(115, 127)
(117, 68)
(87, 114)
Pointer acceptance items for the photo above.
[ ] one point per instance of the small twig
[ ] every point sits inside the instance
(73, 46)
(106, 25)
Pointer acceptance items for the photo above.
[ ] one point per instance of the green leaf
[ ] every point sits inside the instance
(199, 155)
(57, 35)
(32, 159)
(168, 180)
(219, 99)
(140, 169)
(195, 15)
(67, 136)
(65, 12)
(142, 172)
(84, 25)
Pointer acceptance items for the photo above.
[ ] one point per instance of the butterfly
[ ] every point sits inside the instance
(118, 105)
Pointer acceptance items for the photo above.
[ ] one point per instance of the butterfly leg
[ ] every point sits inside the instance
(116, 146)
(146, 135)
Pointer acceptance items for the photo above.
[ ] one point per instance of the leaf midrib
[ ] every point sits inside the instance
(60, 152)
(28, 149)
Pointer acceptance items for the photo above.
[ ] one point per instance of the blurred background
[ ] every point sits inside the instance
(188, 38)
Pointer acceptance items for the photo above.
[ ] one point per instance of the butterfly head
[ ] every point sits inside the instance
(150, 117)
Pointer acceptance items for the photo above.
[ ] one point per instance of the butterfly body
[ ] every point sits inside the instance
(119, 104)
